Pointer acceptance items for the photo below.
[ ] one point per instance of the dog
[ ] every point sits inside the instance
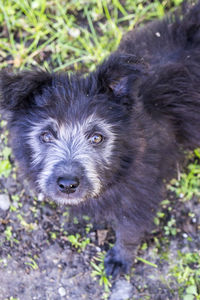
(107, 142)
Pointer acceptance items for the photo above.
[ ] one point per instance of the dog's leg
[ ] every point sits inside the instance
(119, 259)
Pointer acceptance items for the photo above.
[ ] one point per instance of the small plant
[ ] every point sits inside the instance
(75, 220)
(27, 226)
(146, 262)
(160, 215)
(32, 264)
(53, 235)
(99, 271)
(88, 227)
(78, 242)
(5, 165)
(187, 274)
(9, 235)
(170, 228)
(189, 183)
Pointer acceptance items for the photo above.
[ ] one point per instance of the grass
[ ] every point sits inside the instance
(77, 35)
(187, 274)
(97, 264)
(69, 34)
(188, 184)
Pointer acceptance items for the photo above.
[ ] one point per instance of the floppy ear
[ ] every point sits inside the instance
(17, 90)
(120, 74)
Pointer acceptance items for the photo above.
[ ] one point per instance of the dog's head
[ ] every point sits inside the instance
(71, 134)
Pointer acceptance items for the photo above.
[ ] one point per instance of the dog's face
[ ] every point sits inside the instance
(70, 134)
(73, 154)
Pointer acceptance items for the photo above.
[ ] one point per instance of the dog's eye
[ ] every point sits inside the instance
(96, 139)
(46, 137)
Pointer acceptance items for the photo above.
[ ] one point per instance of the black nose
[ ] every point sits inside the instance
(68, 184)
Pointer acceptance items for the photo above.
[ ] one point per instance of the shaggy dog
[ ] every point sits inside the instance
(107, 141)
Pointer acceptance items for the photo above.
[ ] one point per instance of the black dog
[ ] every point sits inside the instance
(105, 142)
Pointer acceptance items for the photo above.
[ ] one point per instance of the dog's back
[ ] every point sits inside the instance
(166, 40)
(171, 50)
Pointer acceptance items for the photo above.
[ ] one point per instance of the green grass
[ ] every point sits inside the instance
(68, 34)
(97, 264)
(188, 184)
(187, 274)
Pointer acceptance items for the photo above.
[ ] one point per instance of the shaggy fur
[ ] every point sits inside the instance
(107, 141)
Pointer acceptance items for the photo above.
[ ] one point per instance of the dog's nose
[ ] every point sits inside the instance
(68, 185)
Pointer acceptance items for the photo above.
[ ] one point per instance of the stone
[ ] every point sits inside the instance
(4, 202)
(62, 291)
(122, 290)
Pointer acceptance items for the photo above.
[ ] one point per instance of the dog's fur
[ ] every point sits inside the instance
(144, 101)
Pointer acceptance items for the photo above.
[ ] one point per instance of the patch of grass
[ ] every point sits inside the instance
(184, 270)
(188, 185)
(9, 235)
(76, 34)
(5, 165)
(170, 227)
(97, 264)
(187, 273)
(5, 152)
(32, 263)
(27, 226)
(78, 242)
(146, 262)
(5, 168)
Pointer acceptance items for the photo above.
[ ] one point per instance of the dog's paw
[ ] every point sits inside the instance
(115, 264)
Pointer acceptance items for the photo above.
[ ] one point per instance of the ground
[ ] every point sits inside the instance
(47, 253)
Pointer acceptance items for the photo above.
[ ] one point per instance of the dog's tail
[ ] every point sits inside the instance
(173, 89)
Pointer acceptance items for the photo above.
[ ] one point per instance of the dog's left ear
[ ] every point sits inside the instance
(120, 75)
(17, 90)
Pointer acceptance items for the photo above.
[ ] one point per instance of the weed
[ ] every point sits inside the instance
(75, 220)
(187, 274)
(88, 227)
(8, 232)
(5, 165)
(32, 264)
(146, 262)
(5, 168)
(189, 183)
(47, 33)
(78, 242)
(170, 228)
(53, 235)
(27, 226)
(97, 264)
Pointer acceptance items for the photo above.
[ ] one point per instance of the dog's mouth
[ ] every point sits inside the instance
(67, 199)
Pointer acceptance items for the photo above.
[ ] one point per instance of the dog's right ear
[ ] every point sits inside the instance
(17, 90)
(119, 74)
